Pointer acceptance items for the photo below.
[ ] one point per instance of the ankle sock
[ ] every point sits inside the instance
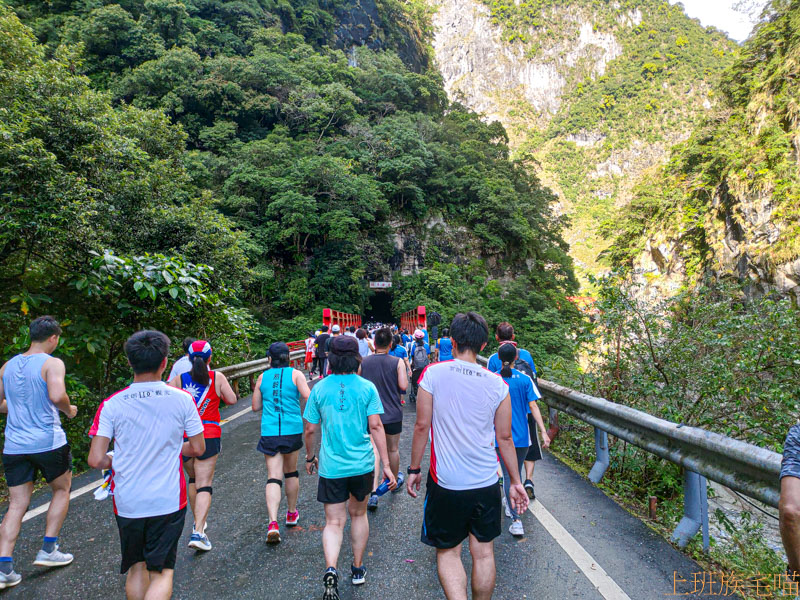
(6, 565)
(49, 544)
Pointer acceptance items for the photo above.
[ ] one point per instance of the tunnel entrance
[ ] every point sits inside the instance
(379, 309)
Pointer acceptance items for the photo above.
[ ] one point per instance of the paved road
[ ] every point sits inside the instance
(546, 564)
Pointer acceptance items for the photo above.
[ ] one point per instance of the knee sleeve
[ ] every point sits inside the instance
(191, 480)
(292, 474)
(273, 480)
(206, 488)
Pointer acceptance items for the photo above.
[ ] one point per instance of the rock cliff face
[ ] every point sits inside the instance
(595, 92)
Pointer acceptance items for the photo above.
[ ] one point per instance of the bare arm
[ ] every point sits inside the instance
(98, 459)
(537, 416)
(299, 379)
(402, 376)
(505, 443)
(310, 440)
(379, 437)
(257, 394)
(3, 403)
(54, 374)
(421, 429)
(195, 446)
(224, 389)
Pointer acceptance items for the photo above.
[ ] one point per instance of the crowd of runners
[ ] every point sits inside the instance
(483, 425)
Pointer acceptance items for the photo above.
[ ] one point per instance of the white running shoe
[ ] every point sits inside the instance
(53, 559)
(505, 507)
(200, 541)
(516, 528)
(8, 580)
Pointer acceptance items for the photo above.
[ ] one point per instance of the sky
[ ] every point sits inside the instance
(721, 14)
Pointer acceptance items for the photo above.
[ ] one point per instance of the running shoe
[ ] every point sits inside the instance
(292, 518)
(516, 528)
(8, 580)
(52, 559)
(273, 533)
(401, 479)
(359, 574)
(199, 541)
(529, 489)
(372, 503)
(505, 507)
(330, 582)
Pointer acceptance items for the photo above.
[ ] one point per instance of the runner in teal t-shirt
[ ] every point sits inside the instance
(347, 408)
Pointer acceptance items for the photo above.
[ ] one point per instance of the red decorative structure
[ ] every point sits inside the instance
(332, 317)
(414, 319)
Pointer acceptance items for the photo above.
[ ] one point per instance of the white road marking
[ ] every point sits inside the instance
(601, 580)
(89, 487)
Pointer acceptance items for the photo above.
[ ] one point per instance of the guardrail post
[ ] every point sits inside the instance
(235, 386)
(695, 510)
(553, 422)
(601, 452)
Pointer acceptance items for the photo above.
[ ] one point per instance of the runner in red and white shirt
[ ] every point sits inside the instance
(462, 407)
(147, 420)
(310, 341)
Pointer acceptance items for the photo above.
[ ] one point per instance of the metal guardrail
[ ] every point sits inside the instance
(743, 467)
(253, 367)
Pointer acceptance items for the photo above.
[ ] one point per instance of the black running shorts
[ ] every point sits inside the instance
(336, 491)
(393, 428)
(22, 468)
(213, 447)
(280, 444)
(151, 540)
(449, 516)
(535, 450)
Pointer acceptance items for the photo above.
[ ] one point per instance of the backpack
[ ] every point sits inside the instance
(524, 367)
(420, 358)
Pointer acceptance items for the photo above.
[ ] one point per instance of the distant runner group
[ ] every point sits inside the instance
(482, 425)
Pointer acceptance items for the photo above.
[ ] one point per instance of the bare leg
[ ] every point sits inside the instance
(452, 575)
(789, 507)
(292, 483)
(393, 448)
(335, 519)
(359, 528)
(137, 582)
(191, 488)
(160, 585)
(273, 492)
(483, 568)
(59, 504)
(529, 466)
(204, 472)
(19, 498)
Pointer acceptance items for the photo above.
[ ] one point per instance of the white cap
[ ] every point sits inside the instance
(419, 334)
(336, 329)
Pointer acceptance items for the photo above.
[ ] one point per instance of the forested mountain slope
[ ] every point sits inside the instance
(596, 92)
(296, 149)
(727, 204)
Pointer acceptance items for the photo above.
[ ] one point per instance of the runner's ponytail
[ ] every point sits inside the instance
(199, 372)
(507, 354)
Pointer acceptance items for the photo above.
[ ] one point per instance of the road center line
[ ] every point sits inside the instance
(601, 580)
(35, 512)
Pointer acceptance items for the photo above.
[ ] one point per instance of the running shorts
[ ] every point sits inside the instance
(22, 468)
(790, 465)
(449, 516)
(280, 444)
(336, 491)
(393, 428)
(151, 540)
(309, 357)
(213, 447)
(535, 450)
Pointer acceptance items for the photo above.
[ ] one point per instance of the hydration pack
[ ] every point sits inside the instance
(420, 358)
(524, 367)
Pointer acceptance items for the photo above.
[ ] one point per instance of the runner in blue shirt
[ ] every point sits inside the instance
(444, 346)
(347, 408)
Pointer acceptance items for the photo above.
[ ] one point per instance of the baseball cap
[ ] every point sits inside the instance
(336, 329)
(278, 348)
(200, 348)
(345, 346)
(419, 334)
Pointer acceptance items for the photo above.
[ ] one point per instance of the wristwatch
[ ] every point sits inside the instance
(416, 471)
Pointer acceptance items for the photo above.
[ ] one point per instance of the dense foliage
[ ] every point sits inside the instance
(744, 154)
(219, 168)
